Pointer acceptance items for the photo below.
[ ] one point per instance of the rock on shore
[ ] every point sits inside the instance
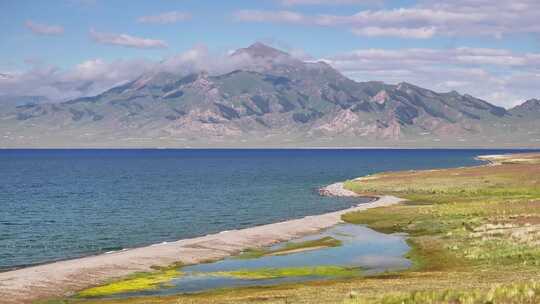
(337, 189)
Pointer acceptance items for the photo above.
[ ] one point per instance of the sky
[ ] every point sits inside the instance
(64, 49)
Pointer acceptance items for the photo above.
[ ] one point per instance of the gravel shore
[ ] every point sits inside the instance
(62, 278)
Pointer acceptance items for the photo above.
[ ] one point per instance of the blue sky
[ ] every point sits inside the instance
(479, 47)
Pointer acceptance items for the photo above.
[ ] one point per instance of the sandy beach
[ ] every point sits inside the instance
(65, 277)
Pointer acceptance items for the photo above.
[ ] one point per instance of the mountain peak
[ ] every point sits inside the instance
(531, 104)
(407, 86)
(261, 50)
(259, 45)
(530, 108)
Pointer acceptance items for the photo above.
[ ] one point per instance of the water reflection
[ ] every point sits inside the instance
(362, 247)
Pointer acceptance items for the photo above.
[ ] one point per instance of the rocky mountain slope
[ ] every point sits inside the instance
(530, 108)
(275, 100)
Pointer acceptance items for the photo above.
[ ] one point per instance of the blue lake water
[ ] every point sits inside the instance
(58, 204)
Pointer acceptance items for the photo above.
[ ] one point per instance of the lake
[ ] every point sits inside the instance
(61, 204)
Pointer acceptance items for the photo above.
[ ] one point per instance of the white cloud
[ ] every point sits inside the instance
(44, 29)
(464, 56)
(88, 78)
(94, 76)
(126, 40)
(419, 33)
(165, 18)
(448, 18)
(415, 17)
(269, 16)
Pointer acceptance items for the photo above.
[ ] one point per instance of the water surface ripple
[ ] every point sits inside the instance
(58, 204)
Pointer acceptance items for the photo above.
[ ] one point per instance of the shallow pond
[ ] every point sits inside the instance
(362, 251)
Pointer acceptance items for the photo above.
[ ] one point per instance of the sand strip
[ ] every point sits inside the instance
(62, 278)
(286, 252)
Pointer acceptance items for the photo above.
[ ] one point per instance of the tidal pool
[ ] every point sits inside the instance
(363, 251)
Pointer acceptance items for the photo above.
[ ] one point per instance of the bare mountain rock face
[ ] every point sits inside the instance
(274, 100)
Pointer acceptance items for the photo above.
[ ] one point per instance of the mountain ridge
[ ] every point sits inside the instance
(275, 100)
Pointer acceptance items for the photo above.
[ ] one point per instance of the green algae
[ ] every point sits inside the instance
(136, 282)
(274, 273)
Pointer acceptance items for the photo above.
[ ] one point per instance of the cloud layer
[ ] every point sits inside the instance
(88, 78)
(126, 40)
(94, 76)
(44, 29)
(501, 76)
(373, 31)
(425, 20)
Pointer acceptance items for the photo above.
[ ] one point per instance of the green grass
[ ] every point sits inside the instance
(522, 293)
(461, 220)
(52, 301)
(290, 247)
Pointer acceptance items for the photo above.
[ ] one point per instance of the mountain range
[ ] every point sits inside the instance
(274, 101)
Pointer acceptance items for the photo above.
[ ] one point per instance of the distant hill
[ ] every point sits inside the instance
(275, 101)
(11, 101)
(528, 109)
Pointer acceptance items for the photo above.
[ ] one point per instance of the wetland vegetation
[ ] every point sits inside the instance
(343, 251)
(272, 273)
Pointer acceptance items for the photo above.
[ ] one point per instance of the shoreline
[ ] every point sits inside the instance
(88, 255)
(61, 278)
(531, 148)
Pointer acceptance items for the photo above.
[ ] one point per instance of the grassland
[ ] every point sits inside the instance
(474, 234)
